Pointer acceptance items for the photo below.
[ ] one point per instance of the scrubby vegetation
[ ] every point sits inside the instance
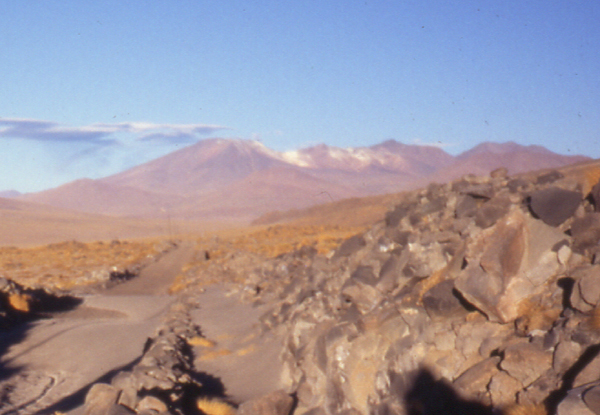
(70, 264)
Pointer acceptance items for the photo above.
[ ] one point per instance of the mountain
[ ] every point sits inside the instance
(200, 168)
(516, 158)
(9, 194)
(224, 179)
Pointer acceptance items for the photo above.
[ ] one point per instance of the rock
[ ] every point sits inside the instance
(507, 263)
(363, 296)
(441, 301)
(101, 399)
(526, 362)
(275, 403)
(501, 251)
(126, 384)
(390, 274)
(554, 205)
(589, 373)
(482, 191)
(591, 397)
(350, 246)
(503, 389)
(517, 184)
(573, 403)
(150, 403)
(473, 383)
(586, 232)
(586, 293)
(466, 207)
(566, 354)
(393, 218)
(499, 173)
(364, 274)
(550, 177)
(492, 210)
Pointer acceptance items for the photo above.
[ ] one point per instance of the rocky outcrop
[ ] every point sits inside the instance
(474, 297)
(481, 294)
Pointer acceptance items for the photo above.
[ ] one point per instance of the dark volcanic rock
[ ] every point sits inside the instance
(549, 177)
(442, 301)
(554, 205)
(586, 232)
(491, 211)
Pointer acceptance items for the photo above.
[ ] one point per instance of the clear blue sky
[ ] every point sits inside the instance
(89, 88)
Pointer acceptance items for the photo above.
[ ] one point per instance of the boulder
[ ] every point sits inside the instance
(586, 232)
(507, 263)
(526, 362)
(101, 399)
(473, 383)
(574, 404)
(554, 205)
(442, 301)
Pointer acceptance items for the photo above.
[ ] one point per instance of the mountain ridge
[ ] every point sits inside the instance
(237, 178)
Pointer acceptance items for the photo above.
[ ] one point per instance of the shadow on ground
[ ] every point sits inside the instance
(14, 324)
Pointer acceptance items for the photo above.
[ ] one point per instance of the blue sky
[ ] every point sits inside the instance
(89, 88)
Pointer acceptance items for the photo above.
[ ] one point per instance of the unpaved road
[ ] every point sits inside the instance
(58, 359)
(60, 356)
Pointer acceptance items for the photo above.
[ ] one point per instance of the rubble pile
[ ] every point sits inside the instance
(479, 295)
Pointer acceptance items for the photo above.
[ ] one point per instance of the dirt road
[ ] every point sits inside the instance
(54, 359)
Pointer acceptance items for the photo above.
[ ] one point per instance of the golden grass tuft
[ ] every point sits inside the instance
(212, 406)
(214, 354)
(201, 342)
(534, 316)
(20, 302)
(529, 409)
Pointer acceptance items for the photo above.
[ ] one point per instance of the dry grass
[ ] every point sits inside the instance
(69, 264)
(534, 316)
(214, 354)
(275, 240)
(212, 406)
(201, 342)
(224, 248)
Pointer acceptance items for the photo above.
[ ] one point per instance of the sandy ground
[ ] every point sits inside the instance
(244, 359)
(51, 363)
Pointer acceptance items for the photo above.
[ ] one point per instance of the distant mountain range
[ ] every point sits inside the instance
(224, 179)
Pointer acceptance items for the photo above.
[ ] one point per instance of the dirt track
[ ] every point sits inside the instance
(53, 362)
(72, 350)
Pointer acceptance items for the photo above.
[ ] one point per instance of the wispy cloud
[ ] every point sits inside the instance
(50, 131)
(439, 144)
(100, 133)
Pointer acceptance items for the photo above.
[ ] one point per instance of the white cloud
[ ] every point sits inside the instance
(99, 133)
